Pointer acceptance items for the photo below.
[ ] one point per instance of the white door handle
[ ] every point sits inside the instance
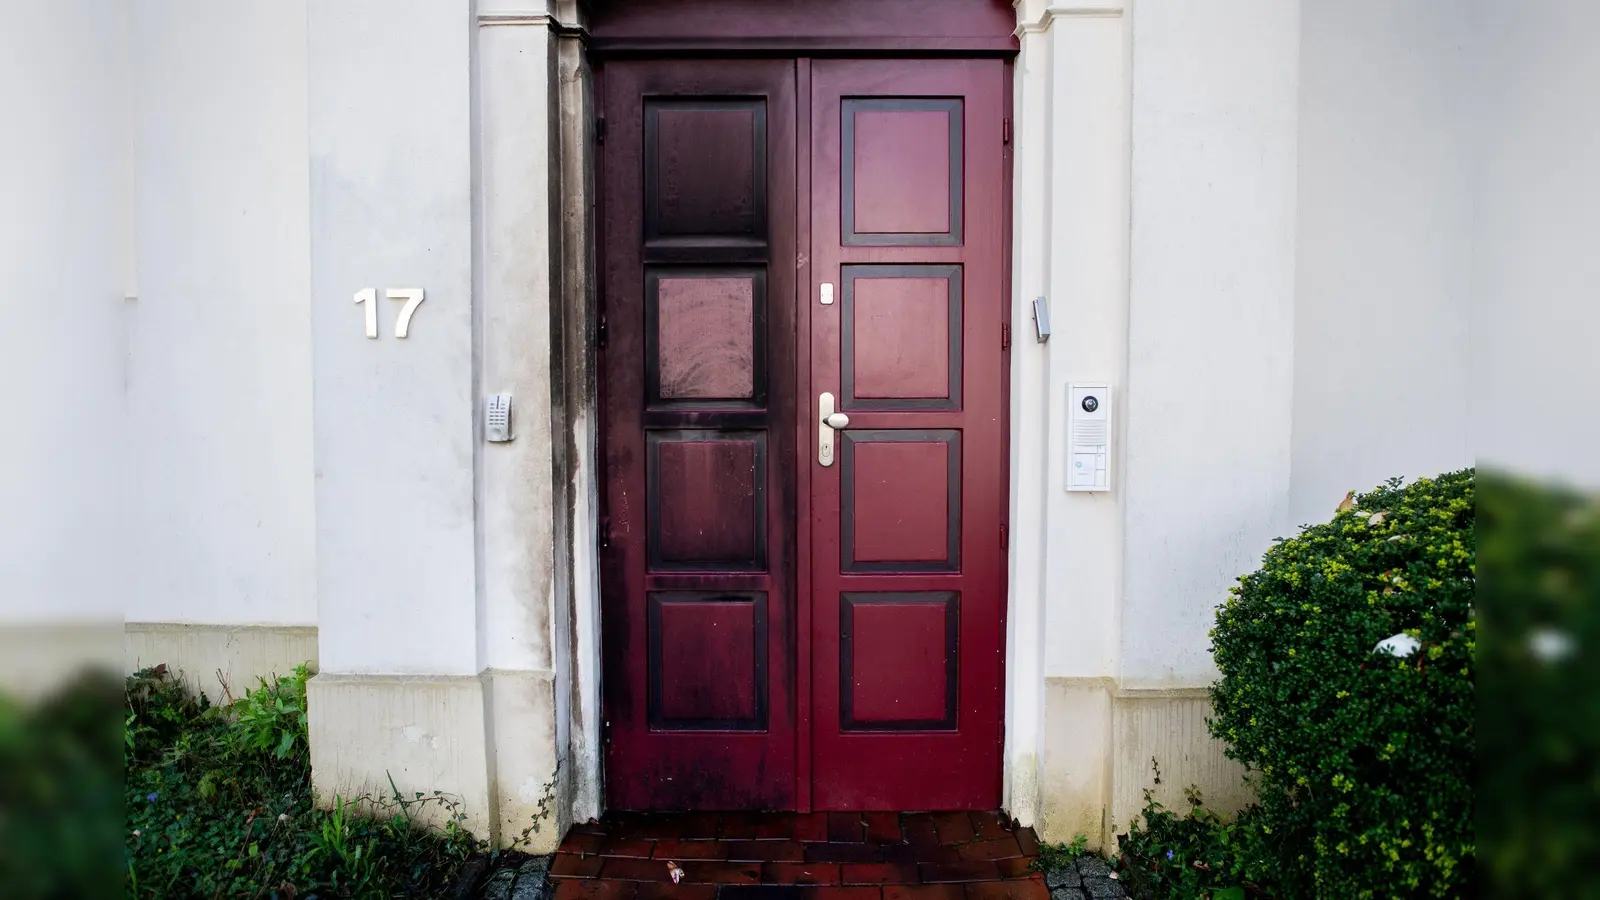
(830, 422)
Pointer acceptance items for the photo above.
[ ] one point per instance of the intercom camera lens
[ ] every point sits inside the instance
(1090, 404)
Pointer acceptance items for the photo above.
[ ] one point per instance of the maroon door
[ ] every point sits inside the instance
(906, 562)
(699, 396)
(785, 628)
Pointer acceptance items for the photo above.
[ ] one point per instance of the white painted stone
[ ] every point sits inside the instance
(1211, 318)
(65, 269)
(1381, 369)
(221, 480)
(1069, 246)
(391, 146)
(1536, 130)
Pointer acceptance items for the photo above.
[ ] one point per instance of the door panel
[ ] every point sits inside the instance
(906, 567)
(698, 396)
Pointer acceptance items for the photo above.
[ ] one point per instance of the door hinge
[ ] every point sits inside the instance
(600, 333)
(1005, 537)
(1005, 130)
(600, 129)
(1005, 336)
(605, 532)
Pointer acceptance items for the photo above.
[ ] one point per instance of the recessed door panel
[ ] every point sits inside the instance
(900, 500)
(901, 171)
(705, 167)
(708, 661)
(886, 364)
(706, 334)
(707, 495)
(898, 654)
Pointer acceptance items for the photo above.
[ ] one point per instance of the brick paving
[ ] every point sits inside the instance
(799, 856)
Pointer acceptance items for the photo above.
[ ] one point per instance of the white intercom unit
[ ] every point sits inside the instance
(497, 418)
(1088, 436)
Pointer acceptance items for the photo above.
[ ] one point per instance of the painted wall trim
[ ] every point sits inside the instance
(1034, 21)
(176, 627)
(1162, 693)
(220, 661)
(561, 16)
(491, 20)
(1070, 243)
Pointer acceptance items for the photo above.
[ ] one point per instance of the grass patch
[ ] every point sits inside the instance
(1058, 856)
(219, 804)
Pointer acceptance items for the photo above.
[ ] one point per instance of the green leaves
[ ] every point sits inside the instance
(1363, 761)
(271, 719)
(1193, 856)
(218, 803)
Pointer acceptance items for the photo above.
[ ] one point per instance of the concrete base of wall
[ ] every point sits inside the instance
(1102, 745)
(523, 758)
(488, 742)
(220, 661)
(38, 658)
(374, 734)
(1167, 729)
(1074, 766)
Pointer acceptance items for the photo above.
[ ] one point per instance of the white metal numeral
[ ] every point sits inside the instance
(413, 297)
(369, 296)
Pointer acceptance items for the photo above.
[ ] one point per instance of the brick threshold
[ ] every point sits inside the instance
(799, 856)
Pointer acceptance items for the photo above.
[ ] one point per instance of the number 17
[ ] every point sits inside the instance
(402, 325)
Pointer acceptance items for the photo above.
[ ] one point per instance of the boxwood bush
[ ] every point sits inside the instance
(1539, 715)
(1363, 758)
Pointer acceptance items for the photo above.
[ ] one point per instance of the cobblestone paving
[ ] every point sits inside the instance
(1087, 879)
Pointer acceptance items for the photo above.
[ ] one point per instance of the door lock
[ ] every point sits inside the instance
(831, 422)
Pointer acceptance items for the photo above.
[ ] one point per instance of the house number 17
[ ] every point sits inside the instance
(402, 325)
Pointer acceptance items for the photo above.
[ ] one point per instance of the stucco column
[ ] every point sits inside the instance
(1070, 247)
(391, 147)
(534, 133)
(444, 561)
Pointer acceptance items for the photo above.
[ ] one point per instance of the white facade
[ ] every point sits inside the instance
(1262, 221)
(65, 266)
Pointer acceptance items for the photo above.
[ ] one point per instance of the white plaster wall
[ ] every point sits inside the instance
(219, 385)
(1381, 367)
(64, 268)
(1535, 316)
(392, 144)
(1211, 318)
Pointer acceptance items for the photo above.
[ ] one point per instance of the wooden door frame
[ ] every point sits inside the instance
(721, 29)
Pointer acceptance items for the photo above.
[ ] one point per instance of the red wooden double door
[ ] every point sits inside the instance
(803, 392)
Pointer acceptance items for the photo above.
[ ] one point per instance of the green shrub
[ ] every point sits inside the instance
(1539, 715)
(60, 783)
(1199, 855)
(1363, 760)
(219, 804)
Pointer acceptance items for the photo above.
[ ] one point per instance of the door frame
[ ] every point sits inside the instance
(722, 29)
